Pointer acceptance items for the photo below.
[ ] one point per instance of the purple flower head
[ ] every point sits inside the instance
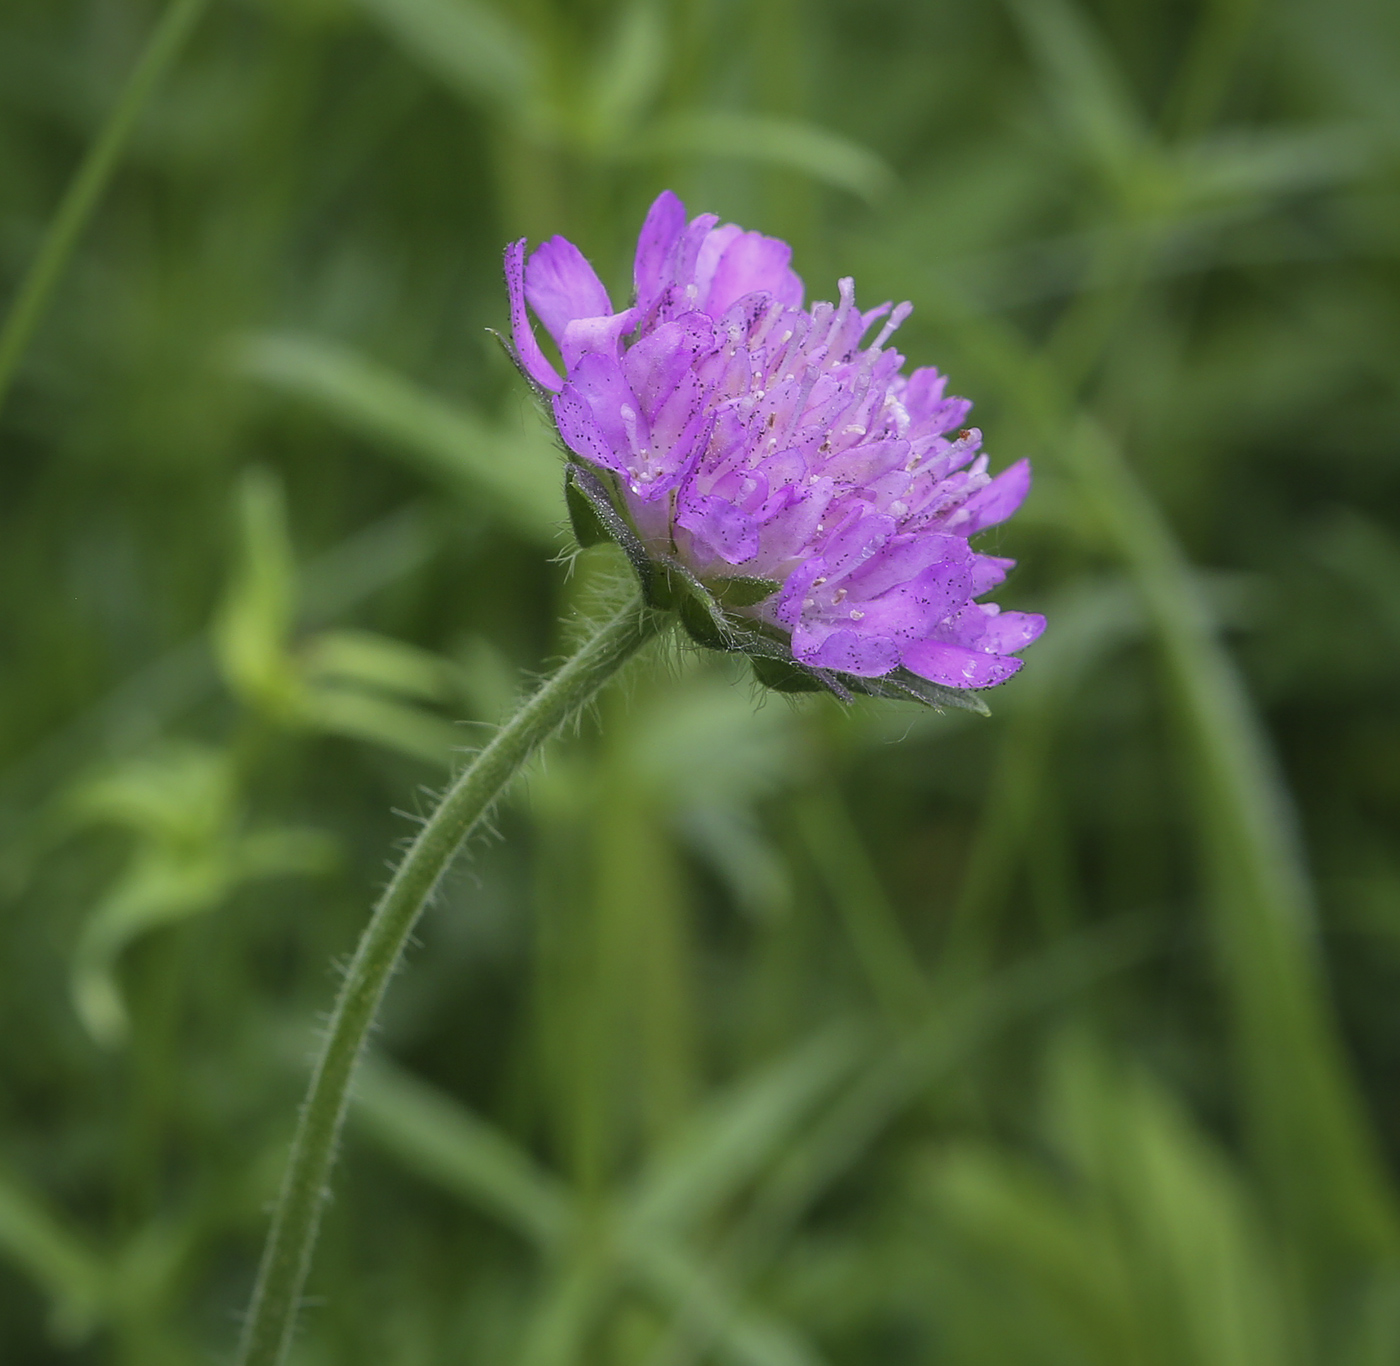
(768, 467)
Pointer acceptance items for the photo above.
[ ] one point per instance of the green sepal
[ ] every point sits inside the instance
(700, 614)
(781, 676)
(742, 590)
(593, 514)
(902, 685)
(588, 526)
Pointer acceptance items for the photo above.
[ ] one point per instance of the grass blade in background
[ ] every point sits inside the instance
(515, 475)
(88, 185)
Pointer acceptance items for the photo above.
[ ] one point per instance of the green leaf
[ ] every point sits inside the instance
(378, 663)
(700, 615)
(251, 629)
(790, 143)
(741, 1132)
(513, 476)
(359, 715)
(472, 47)
(34, 1240)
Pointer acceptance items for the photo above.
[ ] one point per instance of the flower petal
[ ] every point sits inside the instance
(865, 656)
(955, 666)
(579, 429)
(1008, 632)
(527, 349)
(994, 503)
(719, 527)
(753, 262)
(562, 286)
(665, 222)
(585, 336)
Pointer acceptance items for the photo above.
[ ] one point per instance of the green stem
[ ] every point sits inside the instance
(287, 1256)
(87, 185)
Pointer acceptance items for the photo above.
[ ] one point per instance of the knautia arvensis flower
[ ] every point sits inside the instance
(772, 473)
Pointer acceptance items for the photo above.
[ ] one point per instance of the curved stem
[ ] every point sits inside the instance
(287, 1256)
(87, 185)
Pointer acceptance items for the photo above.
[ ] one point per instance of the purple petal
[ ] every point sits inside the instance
(687, 250)
(655, 365)
(864, 464)
(865, 656)
(562, 286)
(597, 389)
(788, 608)
(753, 262)
(581, 433)
(855, 540)
(527, 349)
(664, 225)
(719, 526)
(707, 260)
(790, 527)
(907, 557)
(987, 572)
(994, 503)
(955, 666)
(1007, 632)
(585, 336)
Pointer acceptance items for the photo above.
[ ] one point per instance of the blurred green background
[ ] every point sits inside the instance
(767, 1034)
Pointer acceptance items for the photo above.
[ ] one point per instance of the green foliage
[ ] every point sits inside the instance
(774, 1031)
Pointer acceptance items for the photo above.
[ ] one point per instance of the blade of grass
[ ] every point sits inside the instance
(515, 478)
(948, 1036)
(1302, 1105)
(445, 1143)
(885, 956)
(33, 1240)
(87, 186)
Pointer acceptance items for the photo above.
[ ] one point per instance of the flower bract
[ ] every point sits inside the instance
(768, 466)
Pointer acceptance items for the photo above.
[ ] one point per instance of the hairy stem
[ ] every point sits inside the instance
(287, 1257)
(88, 183)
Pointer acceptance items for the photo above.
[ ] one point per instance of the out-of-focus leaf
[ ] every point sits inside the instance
(1085, 84)
(377, 662)
(1023, 1226)
(514, 477)
(791, 143)
(471, 46)
(733, 843)
(881, 948)
(1307, 1115)
(190, 855)
(1151, 1251)
(361, 715)
(448, 1145)
(1206, 1277)
(1265, 163)
(740, 1133)
(1298, 1089)
(444, 1143)
(705, 743)
(947, 1038)
(628, 74)
(57, 1260)
(251, 628)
